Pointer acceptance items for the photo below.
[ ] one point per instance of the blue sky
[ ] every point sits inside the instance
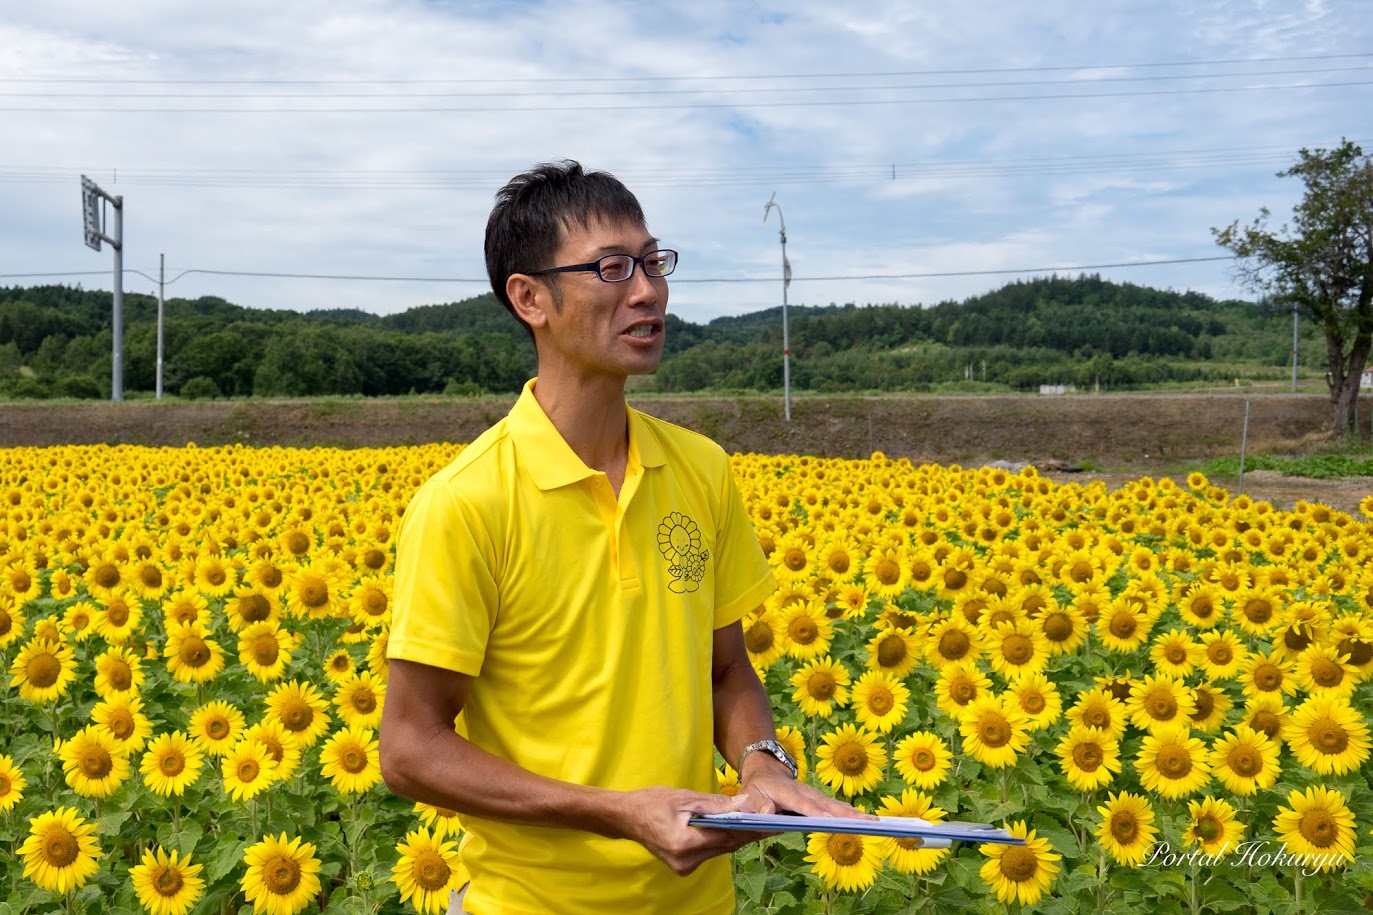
(367, 137)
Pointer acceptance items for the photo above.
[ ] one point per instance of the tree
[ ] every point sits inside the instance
(1323, 264)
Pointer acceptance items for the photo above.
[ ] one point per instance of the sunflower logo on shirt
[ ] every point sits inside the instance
(679, 540)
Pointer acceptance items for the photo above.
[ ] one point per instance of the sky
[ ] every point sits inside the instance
(919, 152)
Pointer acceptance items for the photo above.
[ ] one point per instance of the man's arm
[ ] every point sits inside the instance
(423, 759)
(743, 716)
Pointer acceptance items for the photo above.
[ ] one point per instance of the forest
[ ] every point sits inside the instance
(55, 341)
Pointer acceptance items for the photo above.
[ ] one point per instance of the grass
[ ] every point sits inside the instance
(1315, 466)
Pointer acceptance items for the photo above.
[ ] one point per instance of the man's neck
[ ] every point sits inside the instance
(590, 416)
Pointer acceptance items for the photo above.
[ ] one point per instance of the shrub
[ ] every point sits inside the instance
(200, 388)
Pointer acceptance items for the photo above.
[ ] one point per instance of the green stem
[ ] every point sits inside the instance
(1005, 783)
(1195, 890)
(1296, 887)
(252, 807)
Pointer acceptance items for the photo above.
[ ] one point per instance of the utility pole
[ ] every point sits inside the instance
(161, 288)
(1294, 347)
(786, 281)
(94, 213)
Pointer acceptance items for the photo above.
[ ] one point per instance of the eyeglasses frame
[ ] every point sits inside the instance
(595, 267)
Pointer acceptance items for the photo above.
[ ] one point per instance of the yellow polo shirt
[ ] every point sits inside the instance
(587, 623)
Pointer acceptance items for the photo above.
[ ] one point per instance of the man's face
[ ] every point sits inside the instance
(601, 328)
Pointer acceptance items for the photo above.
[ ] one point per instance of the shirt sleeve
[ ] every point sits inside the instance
(743, 578)
(446, 598)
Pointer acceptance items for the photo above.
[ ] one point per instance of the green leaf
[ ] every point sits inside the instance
(752, 880)
(965, 873)
(226, 856)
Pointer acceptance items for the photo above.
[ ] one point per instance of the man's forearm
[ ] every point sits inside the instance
(742, 713)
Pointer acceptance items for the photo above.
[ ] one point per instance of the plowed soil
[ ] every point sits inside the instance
(1120, 437)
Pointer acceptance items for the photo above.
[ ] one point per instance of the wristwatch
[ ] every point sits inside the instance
(773, 747)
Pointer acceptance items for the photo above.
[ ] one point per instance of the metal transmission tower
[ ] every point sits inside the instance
(91, 200)
(772, 204)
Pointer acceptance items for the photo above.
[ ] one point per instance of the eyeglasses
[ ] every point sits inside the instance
(617, 268)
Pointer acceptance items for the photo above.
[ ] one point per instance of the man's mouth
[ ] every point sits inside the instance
(642, 330)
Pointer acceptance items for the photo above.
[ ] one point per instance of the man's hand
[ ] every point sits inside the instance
(771, 789)
(657, 818)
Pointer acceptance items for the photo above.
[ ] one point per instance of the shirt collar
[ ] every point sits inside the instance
(551, 462)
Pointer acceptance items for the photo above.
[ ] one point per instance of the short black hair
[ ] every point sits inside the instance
(536, 207)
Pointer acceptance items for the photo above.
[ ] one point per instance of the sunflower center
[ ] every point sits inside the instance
(43, 670)
(1174, 762)
(1268, 677)
(1034, 703)
(881, 702)
(1058, 627)
(963, 691)
(270, 577)
(954, 645)
(1088, 756)
(265, 649)
(281, 875)
(1319, 828)
(172, 763)
(168, 881)
(150, 576)
(923, 760)
(851, 759)
(298, 542)
(1018, 649)
(363, 700)
(121, 723)
(1267, 722)
(887, 572)
(297, 715)
(994, 731)
(217, 728)
(254, 608)
(94, 762)
(1297, 638)
(1219, 653)
(374, 602)
(194, 652)
(1329, 737)
(803, 630)
(846, 850)
(838, 563)
(1257, 610)
(1359, 652)
(248, 770)
(1209, 829)
(1326, 673)
(106, 576)
(20, 580)
(314, 592)
(431, 871)
(1080, 571)
(759, 638)
(1019, 864)
(1161, 706)
(1206, 703)
(794, 559)
(954, 579)
(1096, 717)
(374, 559)
(891, 651)
(1124, 827)
(352, 760)
(60, 848)
(215, 576)
(1176, 654)
(1123, 625)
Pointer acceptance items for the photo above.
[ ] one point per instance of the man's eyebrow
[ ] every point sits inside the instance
(649, 245)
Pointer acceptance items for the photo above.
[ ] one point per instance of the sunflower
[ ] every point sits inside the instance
(1221, 653)
(301, 710)
(339, 665)
(216, 727)
(251, 604)
(1175, 653)
(1090, 758)
(1323, 671)
(119, 619)
(1327, 735)
(819, 686)
(1120, 627)
(727, 781)
(1160, 702)
(1098, 708)
(122, 718)
(12, 783)
(794, 558)
(185, 608)
(807, 629)
(278, 743)
(428, 869)
(247, 770)
(359, 698)
(954, 575)
(1268, 715)
(264, 649)
(171, 763)
(214, 576)
(1213, 828)
(313, 590)
(78, 621)
(103, 576)
(794, 742)
(1127, 828)
(20, 576)
(894, 651)
(879, 700)
(192, 656)
(1256, 609)
(118, 671)
(1213, 704)
(994, 731)
(850, 760)
(149, 579)
(1064, 628)
(61, 852)
(282, 875)
(1037, 698)
(763, 639)
(94, 764)
(839, 560)
(443, 821)
(906, 856)
(167, 884)
(1172, 763)
(848, 863)
(376, 654)
(12, 622)
(370, 601)
(951, 641)
(958, 686)
(1318, 825)
(1020, 873)
(43, 670)
(349, 760)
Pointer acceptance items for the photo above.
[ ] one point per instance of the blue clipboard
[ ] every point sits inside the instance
(936, 835)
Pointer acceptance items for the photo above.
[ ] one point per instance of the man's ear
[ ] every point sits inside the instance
(530, 299)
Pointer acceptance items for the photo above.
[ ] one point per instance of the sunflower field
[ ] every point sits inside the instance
(1161, 687)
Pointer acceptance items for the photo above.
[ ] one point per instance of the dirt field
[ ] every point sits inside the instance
(1120, 436)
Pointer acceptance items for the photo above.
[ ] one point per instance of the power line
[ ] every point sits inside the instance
(677, 280)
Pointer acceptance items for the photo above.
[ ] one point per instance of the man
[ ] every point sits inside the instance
(573, 583)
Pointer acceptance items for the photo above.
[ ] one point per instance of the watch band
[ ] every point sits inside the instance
(775, 749)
